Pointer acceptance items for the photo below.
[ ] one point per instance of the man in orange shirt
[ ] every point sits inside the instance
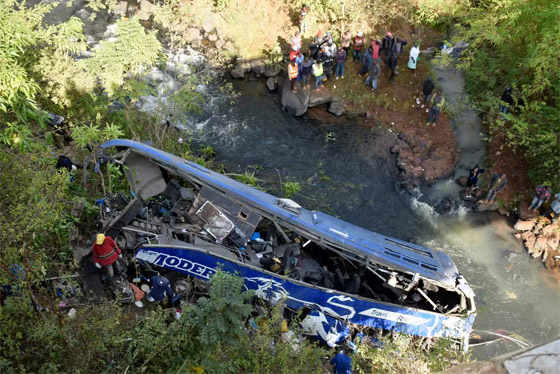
(106, 254)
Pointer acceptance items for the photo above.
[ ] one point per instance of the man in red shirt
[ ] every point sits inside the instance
(375, 45)
(106, 254)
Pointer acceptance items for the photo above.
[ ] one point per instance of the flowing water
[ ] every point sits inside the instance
(345, 169)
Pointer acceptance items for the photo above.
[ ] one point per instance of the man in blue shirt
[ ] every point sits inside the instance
(342, 363)
(160, 288)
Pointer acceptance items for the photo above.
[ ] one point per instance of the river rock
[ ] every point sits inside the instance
(294, 103)
(120, 9)
(337, 108)
(272, 71)
(146, 10)
(229, 46)
(258, 67)
(240, 69)
(271, 83)
(220, 43)
(521, 225)
(323, 96)
(212, 37)
(193, 35)
(209, 23)
(461, 181)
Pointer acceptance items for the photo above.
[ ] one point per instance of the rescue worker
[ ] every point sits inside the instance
(437, 102)
(342, 362)
(293, 74)
(106, 255)
(543, 193)
(318, 73)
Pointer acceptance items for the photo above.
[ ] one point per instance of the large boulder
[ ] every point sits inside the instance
(294, 103)
(337, 108)
(323, 96)
(524, 225)
(220, 43)
(212, 37)
(440, 163)
(147, 9)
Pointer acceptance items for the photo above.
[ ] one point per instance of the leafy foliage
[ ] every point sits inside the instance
(515, 43)
(291, 188)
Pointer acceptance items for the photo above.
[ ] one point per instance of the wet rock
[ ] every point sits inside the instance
(440, 163)
(482, 207)
(271, 83)
(524, 225)
(323, 96)
(462, 181)
(212, 37)
(336, 107)
(395, 149)
(209, 23)
(120, 9)
(524, 213)
(258, 67)
(294, 103)
(272, 71)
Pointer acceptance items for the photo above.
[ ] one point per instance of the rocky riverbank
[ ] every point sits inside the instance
(541, 239)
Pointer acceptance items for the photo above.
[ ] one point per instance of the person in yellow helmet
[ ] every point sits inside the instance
(105, 254)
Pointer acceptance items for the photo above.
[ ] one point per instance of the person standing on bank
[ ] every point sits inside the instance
(105, 254)
(358, 44)
(413, 58)
(318, 73)
(437, 102)
(340, 59)
(472, 180)
(497, 183)
(427, 90)
(345, 42)
(554, 207)
(306, 71)
(543, 194)
(374, 73)
(293, 74)
(507, 102)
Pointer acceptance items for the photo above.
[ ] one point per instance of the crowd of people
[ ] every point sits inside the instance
(325, 60)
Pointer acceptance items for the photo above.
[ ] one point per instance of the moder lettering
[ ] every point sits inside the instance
(183, 265)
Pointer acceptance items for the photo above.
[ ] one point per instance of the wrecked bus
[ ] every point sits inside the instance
(186, 221)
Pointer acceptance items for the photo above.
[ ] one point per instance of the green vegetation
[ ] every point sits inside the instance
(291, 188)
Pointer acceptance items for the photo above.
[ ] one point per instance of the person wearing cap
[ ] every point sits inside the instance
(328, 62)
(331, 47)
(387, 44)
(105, 254)
(340, 59)
(437, 102)
(358, 44)
(299, 62)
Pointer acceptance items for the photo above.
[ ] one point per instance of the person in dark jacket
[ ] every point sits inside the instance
(328, 62)
(472, 180)
(387, 45)
(543, 193)
(398, 45)
(497, 183)
(306, 72)
(507, 99)
(314, 48)
(160, 289)
(374, 73)
(366, 62)
(427, 90)
(392, 61)
(340, 59)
